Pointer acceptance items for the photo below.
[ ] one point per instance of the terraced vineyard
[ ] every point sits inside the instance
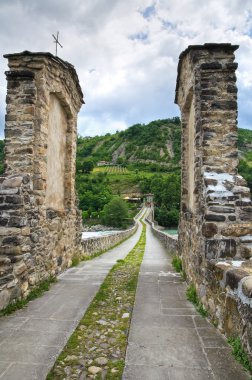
(111, 170)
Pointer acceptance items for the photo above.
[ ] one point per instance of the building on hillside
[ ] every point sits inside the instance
(103, 163)
(132, 199)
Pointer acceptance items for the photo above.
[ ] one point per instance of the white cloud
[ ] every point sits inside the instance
(91, 127)
(126, 52)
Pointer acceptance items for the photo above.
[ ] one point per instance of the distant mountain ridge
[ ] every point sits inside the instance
(155, 144)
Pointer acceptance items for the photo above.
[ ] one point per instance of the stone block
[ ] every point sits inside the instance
(16, 221)
(5, 269)
(209, 229)
(9, 191)
(4, 298)
(14, 199)
(215, 217)
(5, 207)
(246, 214)
(25, 231)
(222, 209)
(11, 240)
(6, 231)
(4, 260)
(224, 105)
(237, 229)
(5, 279)
(243, 203)
(234, 276)
(247, 286)
(211, 66)
(220, 248)
(10, 250)
(3, 221)
(246, 251)
(12, 182)
(19, 268)
(24, 286)
(232, 218)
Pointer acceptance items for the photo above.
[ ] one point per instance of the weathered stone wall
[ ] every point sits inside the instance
(94, 245)
(40, 225)
(215, 232)
(169, 241)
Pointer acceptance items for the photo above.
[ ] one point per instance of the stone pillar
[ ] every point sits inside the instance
(216, 205)
(40, 225)
(215, 231)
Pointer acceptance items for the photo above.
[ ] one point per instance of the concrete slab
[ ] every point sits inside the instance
(224, 366)
(169, 321)
(25, 353)
(163, 336)
(175, 303)
(18, 371)
(186, 311)
(3, 368)
(27, 337)
(147, 309)
(48, 325)
(144, 372)
(190, 374)
(161, 355)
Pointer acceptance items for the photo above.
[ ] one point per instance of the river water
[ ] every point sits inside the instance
(171, 231)
(91, 234)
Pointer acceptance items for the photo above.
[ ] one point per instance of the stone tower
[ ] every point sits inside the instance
(40, 225)
(215, 200)
(215, 232)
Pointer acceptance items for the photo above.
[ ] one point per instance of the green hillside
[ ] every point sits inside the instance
(142, 159)
(152, 147)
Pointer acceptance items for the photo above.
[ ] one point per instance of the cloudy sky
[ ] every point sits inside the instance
(126, 51)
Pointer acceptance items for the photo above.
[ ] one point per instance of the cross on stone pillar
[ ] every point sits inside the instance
(56, 41)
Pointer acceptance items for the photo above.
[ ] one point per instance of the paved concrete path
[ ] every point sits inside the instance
(32, 338)
(168, 340)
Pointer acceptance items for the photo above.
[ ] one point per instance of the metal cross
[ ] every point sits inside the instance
(57, 42)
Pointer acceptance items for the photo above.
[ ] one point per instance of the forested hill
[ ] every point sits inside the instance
(140, 160)
(156, 144)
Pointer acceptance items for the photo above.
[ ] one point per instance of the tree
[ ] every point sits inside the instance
(116, 213)
(86, 166)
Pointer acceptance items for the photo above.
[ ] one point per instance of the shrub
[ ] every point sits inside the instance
(177, 263)
(192, 296)
(239, 353)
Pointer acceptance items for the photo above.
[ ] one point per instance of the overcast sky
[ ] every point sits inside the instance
(126, 51)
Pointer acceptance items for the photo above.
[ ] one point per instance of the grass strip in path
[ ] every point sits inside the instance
(97, 348)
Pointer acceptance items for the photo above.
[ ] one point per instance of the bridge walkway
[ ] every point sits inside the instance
(168, 339)
(32, 338)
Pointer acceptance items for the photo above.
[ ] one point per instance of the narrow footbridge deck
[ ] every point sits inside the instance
(168, 340)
